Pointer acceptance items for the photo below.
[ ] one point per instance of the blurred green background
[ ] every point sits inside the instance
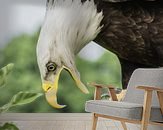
(25, 77)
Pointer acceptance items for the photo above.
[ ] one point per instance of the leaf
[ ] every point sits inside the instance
(5, 108)
(24, 98)
(2, 82)
(20, 99)
(8, 126)
(4, 72)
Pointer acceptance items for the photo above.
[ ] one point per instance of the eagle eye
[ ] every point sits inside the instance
(51, 67)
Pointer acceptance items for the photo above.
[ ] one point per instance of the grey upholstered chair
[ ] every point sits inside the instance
(142, 104)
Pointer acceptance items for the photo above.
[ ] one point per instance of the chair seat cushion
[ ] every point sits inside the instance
(125, 110)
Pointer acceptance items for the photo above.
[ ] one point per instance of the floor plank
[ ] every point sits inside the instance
(57, 121)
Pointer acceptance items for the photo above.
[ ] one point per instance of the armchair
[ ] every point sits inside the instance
(142, 104)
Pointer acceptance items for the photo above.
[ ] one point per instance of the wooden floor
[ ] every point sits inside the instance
(68, 121)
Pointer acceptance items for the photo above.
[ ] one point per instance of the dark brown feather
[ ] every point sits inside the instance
(133, 30)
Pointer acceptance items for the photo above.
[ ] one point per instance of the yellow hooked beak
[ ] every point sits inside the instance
(52, 88)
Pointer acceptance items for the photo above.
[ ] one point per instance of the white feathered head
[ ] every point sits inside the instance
(68, 26)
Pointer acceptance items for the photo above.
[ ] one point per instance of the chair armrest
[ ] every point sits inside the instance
(98, 90)
(101, 85)
(148, 97)
(147, 88)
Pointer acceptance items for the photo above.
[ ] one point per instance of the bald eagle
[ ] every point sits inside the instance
(132, 29)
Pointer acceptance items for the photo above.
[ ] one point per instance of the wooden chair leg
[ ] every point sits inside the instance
(94, 122)
(124, 125)
(160, 97)
(146, 110)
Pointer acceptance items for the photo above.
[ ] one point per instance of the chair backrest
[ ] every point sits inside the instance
(144, 77)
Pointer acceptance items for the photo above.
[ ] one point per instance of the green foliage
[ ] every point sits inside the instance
(4, 72)
(8, 126)
(21, 98)
(26, 77)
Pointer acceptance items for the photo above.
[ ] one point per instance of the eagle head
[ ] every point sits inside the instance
(68, 26)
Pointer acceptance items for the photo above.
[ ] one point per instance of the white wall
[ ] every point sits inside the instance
(26, 16)
(20, 16)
